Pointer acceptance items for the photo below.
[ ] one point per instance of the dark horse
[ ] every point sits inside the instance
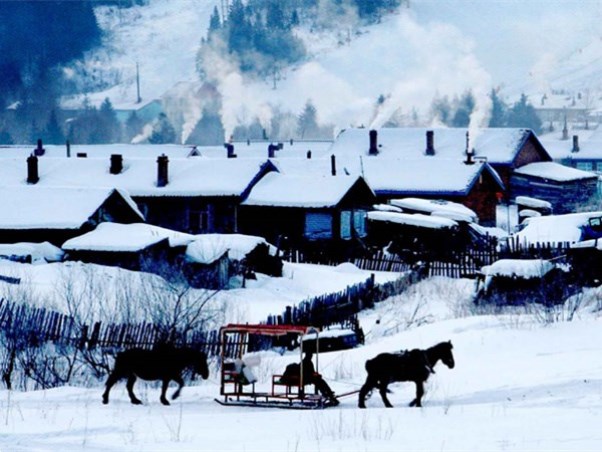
(163, 363)
(414, 365)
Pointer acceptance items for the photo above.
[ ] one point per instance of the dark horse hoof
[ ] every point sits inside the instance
(136, 402)
(165, 402)
(105, 402)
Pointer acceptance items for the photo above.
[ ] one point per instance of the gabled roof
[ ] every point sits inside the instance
(554, 171)
(423, 177)
(499, 146)
(195, 176)
(117, 237)
(32, 207)
(297, 190)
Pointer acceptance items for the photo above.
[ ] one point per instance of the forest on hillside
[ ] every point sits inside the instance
(40, 40)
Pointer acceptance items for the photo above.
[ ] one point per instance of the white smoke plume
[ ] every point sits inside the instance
(445, 65)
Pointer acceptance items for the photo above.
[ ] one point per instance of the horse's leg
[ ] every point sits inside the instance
(383, 393)
(164, 386)
(130, 388)
(368, 386)
(180, 383)
(419, 393)
(113, 378)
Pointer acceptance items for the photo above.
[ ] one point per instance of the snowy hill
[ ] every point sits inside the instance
(431, 48)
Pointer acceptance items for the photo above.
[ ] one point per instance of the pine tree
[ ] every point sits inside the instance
(133, 126)
(308, 123)
(53, 134)
(163, 132)
(465, 106)
(498, 110)
(523, 114)
(109, 126)
(215, 23)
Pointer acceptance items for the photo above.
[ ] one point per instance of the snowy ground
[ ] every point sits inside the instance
(521, 382)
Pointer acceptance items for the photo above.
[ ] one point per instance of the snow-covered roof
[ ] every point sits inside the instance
(554, 171)
(498, 145)
(116, 237)
(555, 228)
(534, 203)
(195, 176)
(418, 219)
(39, 252)
(440, 208)
(33, 207)
(205, 248)
(254, 149)
(294, 190)
(422, 176)
(524, 268)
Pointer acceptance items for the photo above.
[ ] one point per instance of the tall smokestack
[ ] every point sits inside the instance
(575, 143)
(373, 149)
(162, 166)
(116, 164)
(32, 170)
(39, 150)
(333, 165)
(430, 143)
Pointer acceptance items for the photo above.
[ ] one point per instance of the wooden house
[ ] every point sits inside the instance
(194, 194)
(39, 214)
(323, 213)
(563, 187)
(505, 150)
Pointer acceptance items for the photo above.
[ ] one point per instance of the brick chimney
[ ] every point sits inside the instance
(162, 166)
(333, 165)
(116, 164)
(430, 143)
(32, 170)
(230, 150)
(373, 149)
(39, 150)
(575, 143)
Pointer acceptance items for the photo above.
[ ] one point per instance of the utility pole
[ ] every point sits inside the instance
(138, 98)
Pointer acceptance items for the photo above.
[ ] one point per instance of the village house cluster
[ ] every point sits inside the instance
(90, 201)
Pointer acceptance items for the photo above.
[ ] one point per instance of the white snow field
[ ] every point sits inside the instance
(524, 380)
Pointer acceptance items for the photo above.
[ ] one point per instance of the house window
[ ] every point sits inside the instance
(318, 225)
(199, 221)
(359, 223)
(585, 166)
(353, 223)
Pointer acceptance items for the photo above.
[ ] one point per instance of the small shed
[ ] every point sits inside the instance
(523, 281)
(206, 264)
(138, 247)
